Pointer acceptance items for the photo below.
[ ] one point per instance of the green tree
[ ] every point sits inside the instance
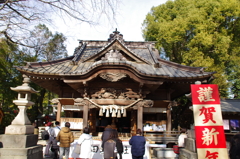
(200, 34)
(9, 77)
(46, 46)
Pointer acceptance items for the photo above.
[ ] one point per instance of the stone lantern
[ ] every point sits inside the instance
(21, 124)
(19, 135)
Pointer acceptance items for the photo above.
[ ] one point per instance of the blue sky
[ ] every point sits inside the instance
(129, 19)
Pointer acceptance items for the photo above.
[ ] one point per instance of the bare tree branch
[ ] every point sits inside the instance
(19, 16)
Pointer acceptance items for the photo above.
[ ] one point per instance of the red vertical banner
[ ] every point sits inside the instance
(210, 136)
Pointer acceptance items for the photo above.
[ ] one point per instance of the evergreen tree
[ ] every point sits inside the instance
(200, 34)
(9, 77)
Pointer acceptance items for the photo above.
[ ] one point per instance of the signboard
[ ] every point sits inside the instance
(226, 124)
(209, 131)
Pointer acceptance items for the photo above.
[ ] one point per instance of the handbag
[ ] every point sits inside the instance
(77, 149)
(176, 149)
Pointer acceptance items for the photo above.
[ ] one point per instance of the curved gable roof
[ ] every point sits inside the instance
(139, 57)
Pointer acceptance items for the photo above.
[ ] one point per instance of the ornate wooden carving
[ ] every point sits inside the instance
(91, 104)
(112, 77)
(116, 35)
(143, 103)
(105, 93)
(111, 93)
(80, 102)
(113, 55)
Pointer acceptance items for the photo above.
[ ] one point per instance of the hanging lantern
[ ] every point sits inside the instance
(118, 114)
(113, 113)
(107, 113)
(100, 112)
(124, 113)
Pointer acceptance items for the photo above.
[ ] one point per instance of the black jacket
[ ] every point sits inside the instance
(106, 135)
(119, 145)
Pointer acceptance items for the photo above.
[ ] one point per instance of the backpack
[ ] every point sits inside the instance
(110, 149)
(45, 135)
(119, 146)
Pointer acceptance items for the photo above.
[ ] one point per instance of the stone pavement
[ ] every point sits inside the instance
(43, 142)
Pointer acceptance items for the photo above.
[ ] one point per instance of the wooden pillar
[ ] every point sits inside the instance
(140, 117)
(169, 118)
(92, 119)
(85, 116)
(59, 109)
(133, 122)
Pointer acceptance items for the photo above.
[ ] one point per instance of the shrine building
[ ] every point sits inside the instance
(115, 82)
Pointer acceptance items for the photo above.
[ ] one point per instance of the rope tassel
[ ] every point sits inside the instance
(118, 114)
(107, 113)
(101, 112)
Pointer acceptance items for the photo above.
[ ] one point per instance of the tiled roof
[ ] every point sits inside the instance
(140, 58)
(230, 105)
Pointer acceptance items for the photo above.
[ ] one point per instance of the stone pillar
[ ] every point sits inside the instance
(140, 117)
(19, 142)
(85, 116)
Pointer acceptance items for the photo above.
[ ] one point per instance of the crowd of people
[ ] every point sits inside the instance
(60, 140)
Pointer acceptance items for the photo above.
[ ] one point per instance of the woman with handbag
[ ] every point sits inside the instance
(85, 140)
(181, 141)
(113, 146)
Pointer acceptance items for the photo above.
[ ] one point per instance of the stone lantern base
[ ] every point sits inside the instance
(20, 147)
(19, 129)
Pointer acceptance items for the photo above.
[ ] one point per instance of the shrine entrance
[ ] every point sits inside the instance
(82, 112)
(115, 81)
(122, 125)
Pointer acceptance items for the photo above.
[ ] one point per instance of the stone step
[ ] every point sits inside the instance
(185, 154)
(162, 153)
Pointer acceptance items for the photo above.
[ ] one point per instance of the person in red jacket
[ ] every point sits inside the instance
(138, 145)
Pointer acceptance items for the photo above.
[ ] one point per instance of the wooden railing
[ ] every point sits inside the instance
(163, 137)
(76, 123)
(161, 133)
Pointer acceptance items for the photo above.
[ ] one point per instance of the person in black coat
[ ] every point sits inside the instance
(234, 151)
(106, 134)
(138, 145)
(119, 144)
